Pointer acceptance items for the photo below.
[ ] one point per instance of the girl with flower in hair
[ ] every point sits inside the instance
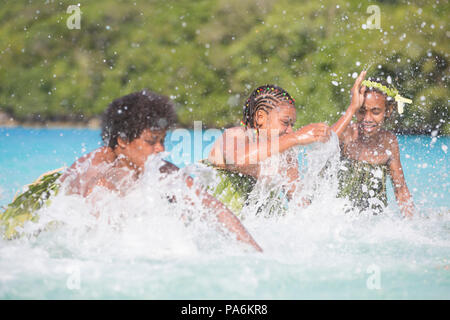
(368, 151)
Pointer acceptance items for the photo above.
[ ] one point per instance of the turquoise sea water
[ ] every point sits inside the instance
(316, 254)
(27, 153)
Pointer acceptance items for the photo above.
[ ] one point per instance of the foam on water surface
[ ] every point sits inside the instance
(140, 247)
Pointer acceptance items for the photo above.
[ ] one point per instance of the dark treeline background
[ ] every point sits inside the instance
(209, 55)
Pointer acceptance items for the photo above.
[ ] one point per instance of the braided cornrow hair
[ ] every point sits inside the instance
(264, 97)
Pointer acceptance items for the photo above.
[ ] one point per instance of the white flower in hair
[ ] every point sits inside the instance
(401, 102)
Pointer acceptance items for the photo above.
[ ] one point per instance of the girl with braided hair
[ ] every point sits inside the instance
(266, 129)
(369, 152)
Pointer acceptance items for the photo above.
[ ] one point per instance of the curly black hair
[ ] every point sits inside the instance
(263, 98)
(127, 116)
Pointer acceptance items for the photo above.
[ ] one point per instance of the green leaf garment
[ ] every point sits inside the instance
(23, 208)
(364, 184)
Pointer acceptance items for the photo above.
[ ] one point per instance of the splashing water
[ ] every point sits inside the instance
(143, 246)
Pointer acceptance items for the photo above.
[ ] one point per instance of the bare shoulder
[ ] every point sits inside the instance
(216, 156)
(389, 140)
(86, 168)
(101, 155)
(96, 157)
(350, 133)
(389, 137)
(390, 144)
(234, 131)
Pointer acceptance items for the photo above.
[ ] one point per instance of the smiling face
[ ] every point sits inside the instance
(138, 150)
(372, 113)
(282, 118)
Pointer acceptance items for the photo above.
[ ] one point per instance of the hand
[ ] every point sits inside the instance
(357, 92)
(314, 132)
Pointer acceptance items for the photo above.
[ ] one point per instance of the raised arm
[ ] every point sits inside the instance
(357, 100)
(401, 191)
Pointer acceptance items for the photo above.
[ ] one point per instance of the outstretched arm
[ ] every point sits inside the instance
(357, 100)
(234, 151)
(228, 219)
(223, 214)
(401, 191)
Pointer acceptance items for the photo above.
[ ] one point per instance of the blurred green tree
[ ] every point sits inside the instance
(209, 55)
